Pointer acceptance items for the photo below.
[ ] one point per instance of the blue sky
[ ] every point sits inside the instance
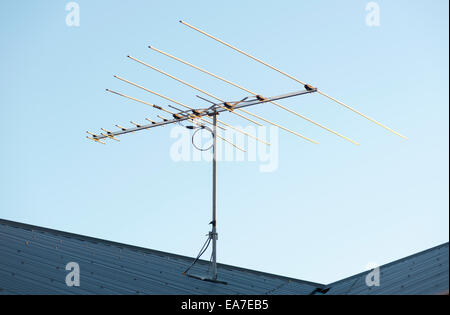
(324, 214)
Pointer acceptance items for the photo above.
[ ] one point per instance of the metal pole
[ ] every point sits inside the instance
(214, 232)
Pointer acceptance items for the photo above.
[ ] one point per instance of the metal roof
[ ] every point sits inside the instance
(33, 261)
(422, 273)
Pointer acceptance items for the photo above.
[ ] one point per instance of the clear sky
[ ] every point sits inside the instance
(324, 213)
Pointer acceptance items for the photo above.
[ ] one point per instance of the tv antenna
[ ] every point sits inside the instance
(198, 118)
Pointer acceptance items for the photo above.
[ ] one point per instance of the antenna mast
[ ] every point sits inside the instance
(213, 234)
(197, 117)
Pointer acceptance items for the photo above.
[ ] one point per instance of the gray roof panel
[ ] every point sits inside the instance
(426, 272)
(33, 261)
